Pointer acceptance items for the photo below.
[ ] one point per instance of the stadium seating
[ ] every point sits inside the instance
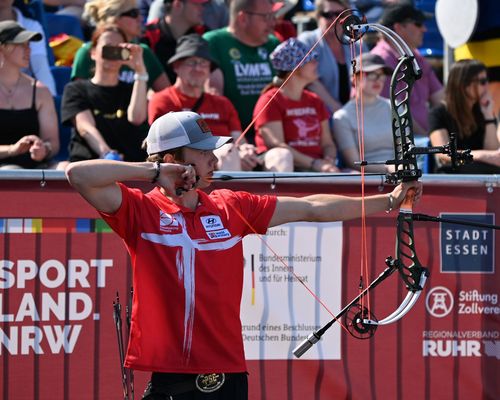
(62, 75)
(433, 41)
(64, 133)
(68, 24)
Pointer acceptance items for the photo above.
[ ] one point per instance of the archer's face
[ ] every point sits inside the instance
(205, 163)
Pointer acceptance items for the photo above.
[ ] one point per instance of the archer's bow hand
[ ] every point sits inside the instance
(400, 191)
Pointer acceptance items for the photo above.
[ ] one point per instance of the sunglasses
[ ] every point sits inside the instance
(418, 24)
(266, 16)
(195, 63)
(133, 13)
(330, 14)
(374, 76)
(482, 81)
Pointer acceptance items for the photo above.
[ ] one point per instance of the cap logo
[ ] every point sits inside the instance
(203, 125)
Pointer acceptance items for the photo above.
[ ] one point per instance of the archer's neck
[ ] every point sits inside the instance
(188, 199)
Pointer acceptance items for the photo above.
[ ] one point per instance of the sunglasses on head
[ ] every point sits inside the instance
(133, 13)
(330, 14)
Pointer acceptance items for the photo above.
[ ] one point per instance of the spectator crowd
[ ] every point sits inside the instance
(236, 63)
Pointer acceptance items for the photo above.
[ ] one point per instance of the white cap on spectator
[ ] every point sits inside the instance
(183, 128)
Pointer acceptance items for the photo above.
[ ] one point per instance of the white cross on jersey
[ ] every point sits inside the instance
(185, 263)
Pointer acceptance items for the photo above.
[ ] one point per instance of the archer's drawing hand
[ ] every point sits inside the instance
(176, 176)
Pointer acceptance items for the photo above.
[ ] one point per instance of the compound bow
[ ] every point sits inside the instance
(359, 321)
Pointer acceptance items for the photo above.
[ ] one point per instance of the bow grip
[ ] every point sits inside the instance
(407, 204)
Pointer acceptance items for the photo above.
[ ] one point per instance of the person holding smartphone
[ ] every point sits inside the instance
(108, 115)
(126, 15)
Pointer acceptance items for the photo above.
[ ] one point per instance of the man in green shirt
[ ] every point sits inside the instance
(242, 52)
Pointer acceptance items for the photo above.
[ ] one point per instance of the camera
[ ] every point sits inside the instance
(115, 53)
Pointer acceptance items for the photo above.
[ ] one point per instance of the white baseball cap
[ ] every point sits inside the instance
(182, 128)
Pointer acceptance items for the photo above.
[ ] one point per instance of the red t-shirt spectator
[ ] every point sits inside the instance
(301, 120)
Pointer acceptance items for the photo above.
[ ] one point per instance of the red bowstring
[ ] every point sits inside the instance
(359, 102)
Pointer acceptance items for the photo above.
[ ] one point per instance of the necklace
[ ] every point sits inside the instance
(9, 93)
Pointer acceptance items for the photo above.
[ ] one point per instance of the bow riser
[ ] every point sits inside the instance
(405, 162)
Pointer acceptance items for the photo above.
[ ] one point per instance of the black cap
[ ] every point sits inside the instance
(192, 45)
(12, 32)
(399, 13)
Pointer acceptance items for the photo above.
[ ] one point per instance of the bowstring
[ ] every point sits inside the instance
(240, 138)
(364, 275)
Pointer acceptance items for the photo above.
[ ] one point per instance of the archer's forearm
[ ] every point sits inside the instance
(100, 173)
(342, 208)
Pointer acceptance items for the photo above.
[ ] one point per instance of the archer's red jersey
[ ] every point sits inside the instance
(187, 275)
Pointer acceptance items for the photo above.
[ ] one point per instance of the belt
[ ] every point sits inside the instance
(205, 383)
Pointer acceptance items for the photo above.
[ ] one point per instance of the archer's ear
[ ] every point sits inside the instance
(169, 158)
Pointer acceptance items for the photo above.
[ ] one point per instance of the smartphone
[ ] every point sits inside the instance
(115, 53)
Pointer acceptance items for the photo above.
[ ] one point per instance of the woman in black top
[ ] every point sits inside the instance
(468, 112)
(108, 115)
(28, 133)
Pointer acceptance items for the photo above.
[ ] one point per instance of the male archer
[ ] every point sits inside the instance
(187, 256)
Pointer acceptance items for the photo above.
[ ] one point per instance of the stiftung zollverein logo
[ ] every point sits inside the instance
(441, 303)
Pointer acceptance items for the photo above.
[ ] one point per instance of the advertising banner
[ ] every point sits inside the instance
(61, 268)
